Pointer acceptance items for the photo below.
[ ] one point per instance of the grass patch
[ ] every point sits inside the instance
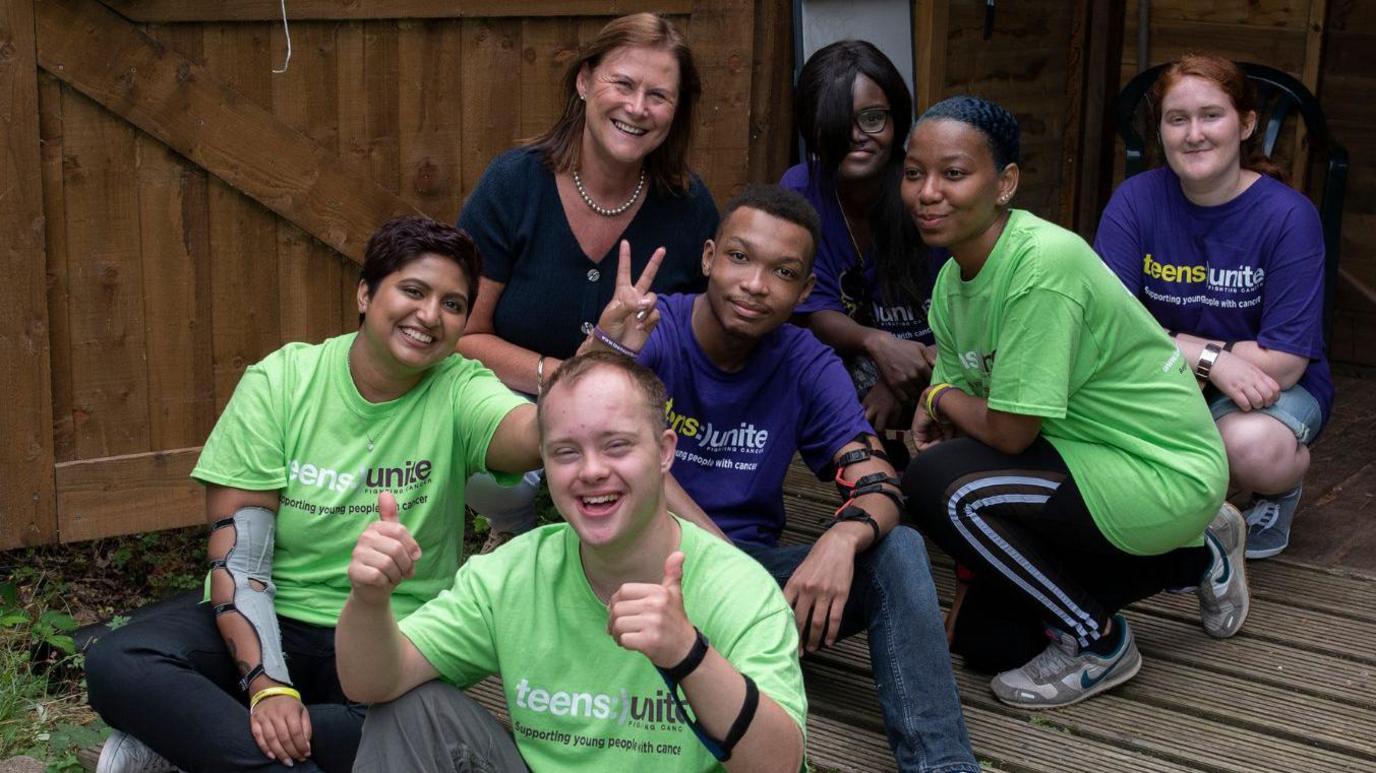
(46, 593)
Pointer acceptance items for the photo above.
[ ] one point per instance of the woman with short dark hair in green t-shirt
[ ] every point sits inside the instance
(1065, 455)
(294, 470)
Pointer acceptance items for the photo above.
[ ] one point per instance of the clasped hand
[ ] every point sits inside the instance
(927, 431)
(903, 365)
(1244, 383)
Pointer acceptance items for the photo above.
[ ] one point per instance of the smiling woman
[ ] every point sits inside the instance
(1231, 261)
(1064, 454)
(315, 439)
(546, 216)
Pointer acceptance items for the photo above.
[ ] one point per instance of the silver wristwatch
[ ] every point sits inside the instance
(1207, 358)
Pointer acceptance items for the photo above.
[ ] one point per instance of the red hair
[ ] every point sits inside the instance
(1229, 78)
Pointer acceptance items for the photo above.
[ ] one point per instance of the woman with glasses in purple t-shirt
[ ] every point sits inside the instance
(874, 276)
(1230, 261)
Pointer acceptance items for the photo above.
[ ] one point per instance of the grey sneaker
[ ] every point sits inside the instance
(1268, 523)
(123, 753)
(1064, 674)
(1223, 595)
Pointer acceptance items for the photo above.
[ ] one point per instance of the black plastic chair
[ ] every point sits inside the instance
(1278, 95)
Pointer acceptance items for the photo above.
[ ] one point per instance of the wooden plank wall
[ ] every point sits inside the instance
(1027, 65)
(26, 498)
(1347, 83)
(155, 282)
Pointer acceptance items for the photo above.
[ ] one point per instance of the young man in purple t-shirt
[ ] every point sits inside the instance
(746, 393)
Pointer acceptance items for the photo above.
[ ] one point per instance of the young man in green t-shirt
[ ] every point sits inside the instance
(626, 637)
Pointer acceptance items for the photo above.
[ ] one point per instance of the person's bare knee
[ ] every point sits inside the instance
(1263, 454)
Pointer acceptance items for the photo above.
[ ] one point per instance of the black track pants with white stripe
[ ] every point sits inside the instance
(1019, 521)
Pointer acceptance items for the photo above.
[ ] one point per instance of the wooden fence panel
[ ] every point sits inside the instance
(128, 494)
(204, 209)
(491, 98)
(547, 46)
(26, 455)
(1024, 66)
(429, 112)
(722, 138)
(306, 97)
(270, 10)
(245, 312)
(55, 234)
(175, 228)
(104, 263)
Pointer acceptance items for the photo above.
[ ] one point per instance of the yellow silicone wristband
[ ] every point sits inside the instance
(268, 692)
(932, 392)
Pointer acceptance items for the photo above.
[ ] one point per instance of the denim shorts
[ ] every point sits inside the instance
(1296, 409)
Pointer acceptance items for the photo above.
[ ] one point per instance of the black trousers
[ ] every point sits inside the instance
(1020, 524)
(167, 679)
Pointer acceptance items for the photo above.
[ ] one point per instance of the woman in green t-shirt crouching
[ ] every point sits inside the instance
(1065, 454)
(312, 438)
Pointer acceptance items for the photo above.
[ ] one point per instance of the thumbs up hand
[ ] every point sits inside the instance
(649, 618)
(385, 554)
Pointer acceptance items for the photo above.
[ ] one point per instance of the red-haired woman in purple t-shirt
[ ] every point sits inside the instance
(1230, 260)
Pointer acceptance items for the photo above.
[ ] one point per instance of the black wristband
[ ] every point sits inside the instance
(1228, 347)
(851, 512)
(680, 671)
(743, 719)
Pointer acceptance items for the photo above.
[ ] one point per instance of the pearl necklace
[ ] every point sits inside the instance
(604, 211)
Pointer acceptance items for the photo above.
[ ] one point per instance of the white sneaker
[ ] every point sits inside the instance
(1223, 595)
(1064, 674)
(123, 753)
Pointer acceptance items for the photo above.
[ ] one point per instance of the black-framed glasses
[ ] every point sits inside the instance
(872, 120)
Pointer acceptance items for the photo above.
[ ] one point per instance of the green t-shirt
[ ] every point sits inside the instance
(1045, 329)
(297, 424)
(577, 700)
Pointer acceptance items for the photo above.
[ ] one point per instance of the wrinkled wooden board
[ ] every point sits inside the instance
(27, 514)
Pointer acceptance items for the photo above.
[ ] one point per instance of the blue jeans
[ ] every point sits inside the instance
(892, 597)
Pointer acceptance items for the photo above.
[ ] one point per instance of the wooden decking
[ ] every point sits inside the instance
(1294, 691)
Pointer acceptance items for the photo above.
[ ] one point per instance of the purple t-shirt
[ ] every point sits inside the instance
(737, 432)
(848, 285)
(1248, 270)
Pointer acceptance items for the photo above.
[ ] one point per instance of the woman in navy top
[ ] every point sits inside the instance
(547, 215)
(1230, 260)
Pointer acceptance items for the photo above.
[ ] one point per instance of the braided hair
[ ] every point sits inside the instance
(999, 127)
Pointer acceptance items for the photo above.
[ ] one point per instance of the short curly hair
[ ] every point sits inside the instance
(999, 127)
(404, 239)
(778, 202)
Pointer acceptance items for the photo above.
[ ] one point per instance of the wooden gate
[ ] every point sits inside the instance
(173, 210)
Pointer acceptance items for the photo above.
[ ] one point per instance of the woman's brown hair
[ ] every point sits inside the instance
(1225, 74)
(667, 165)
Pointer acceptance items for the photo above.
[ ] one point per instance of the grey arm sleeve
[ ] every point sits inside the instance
(249, 563)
